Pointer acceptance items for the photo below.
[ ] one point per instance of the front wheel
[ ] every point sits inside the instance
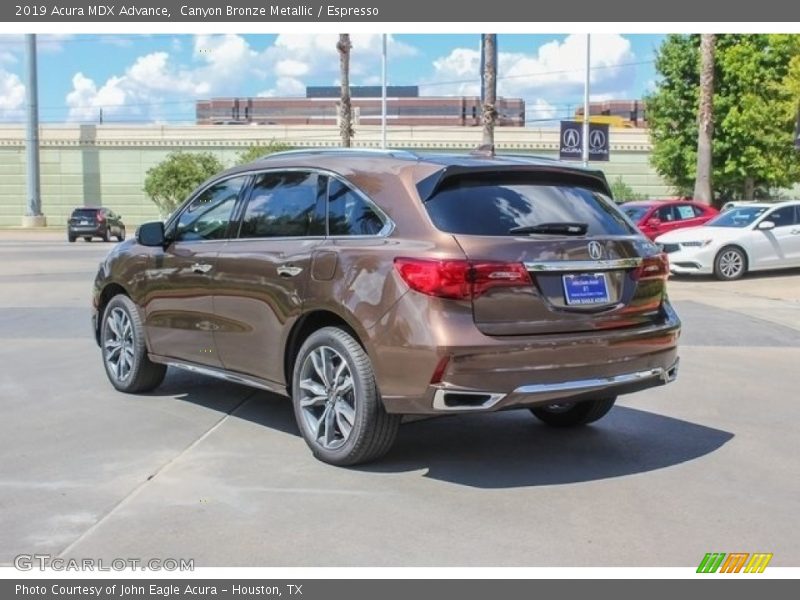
(336, 401)
(124, 350)
(572, 414)
(121, 235)
(730, 264)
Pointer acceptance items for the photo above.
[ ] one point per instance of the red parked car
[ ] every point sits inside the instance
(656, 217)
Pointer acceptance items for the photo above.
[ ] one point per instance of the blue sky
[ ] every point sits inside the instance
(142, 78)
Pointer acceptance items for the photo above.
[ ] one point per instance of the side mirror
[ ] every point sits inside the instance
(151, 234)
(766, 225)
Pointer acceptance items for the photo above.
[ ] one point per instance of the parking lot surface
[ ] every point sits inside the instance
(218, 473)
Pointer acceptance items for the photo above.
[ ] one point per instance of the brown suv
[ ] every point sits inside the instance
(369, 285)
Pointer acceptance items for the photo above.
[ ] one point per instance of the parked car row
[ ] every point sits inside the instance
(744, 237)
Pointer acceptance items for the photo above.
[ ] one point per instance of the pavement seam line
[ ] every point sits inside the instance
(150, 478)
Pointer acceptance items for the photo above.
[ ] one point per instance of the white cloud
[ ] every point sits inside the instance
(156, 87)
(12, 95)
(548, 75)
(297, 59)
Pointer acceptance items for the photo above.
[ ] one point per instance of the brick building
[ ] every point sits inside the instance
(404, 106)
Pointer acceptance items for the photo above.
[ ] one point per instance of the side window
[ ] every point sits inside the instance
(698, 212)
(285, 205)
(783, 216)
(207, 216)
(685, 212)
(665, 214)
(349, 213)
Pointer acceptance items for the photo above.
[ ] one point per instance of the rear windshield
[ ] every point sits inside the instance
(494, 206)
(84, 213)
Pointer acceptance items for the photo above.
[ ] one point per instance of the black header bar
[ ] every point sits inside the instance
(348, 11)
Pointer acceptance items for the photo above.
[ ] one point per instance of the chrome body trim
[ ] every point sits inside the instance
(439, 399)
(220, 374)
(584, 265)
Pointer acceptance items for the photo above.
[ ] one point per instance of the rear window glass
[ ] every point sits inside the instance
(494, 206)
(84, 213)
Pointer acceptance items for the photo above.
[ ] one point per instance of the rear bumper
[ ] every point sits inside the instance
(490, 373)
(449, 399)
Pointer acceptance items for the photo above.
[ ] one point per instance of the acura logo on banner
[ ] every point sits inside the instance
(571, 141)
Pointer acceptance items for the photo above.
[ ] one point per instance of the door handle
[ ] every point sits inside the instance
(201, 267)
(289, 271)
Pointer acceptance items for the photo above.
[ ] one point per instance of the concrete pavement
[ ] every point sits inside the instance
(217, 472)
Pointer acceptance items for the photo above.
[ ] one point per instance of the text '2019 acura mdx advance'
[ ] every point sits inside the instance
(371, 285)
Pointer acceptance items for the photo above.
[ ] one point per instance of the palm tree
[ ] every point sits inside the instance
(705, 121)
(345, 112)
(489, 83)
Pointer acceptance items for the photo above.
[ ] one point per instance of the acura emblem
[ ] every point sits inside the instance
(597, 140)
(571, 138)
(595, 250)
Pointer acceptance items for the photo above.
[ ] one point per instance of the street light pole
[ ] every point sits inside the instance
(383, 93)
(33, 213)
(586, 102)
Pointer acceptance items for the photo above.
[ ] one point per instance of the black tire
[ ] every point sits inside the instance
(71, 239)
(87, 238)
(372, 430)
(121, 235)
(574, 414)
(106, 237)
(143, 375)
(730, 263)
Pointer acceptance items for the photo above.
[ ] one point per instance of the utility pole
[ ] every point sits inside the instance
(489, 87)
(33, 213)
(586, 85)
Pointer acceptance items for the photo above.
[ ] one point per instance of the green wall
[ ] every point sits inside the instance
(111, 173)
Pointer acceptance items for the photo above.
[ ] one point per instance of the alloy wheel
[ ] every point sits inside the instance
(731, 263)
(327, 397)
(118, 345)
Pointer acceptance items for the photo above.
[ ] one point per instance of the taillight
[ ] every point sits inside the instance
(460, 279)
(653, 267)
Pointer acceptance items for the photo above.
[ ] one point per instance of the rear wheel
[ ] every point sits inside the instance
(70, 238)
(571, 414)
(121, 235)
(124, 350)
(106, 237)
(336, 401)
(730, 264)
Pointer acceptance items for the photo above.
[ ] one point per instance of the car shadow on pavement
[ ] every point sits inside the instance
(512, 449)
(501, 450)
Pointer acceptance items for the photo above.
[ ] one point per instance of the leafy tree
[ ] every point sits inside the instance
(172, 180)
(256, 151)
(754, 113)
(623, 192)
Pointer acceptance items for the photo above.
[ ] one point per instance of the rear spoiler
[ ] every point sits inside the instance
(594, 180)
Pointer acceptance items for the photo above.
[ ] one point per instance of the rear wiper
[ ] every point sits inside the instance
(559, 228)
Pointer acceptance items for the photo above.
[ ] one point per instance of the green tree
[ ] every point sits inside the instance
(173, 179)
(753, 114)
(622, 192)
(257, 151)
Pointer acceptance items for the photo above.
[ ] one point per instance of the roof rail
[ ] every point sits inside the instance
(357, 151)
